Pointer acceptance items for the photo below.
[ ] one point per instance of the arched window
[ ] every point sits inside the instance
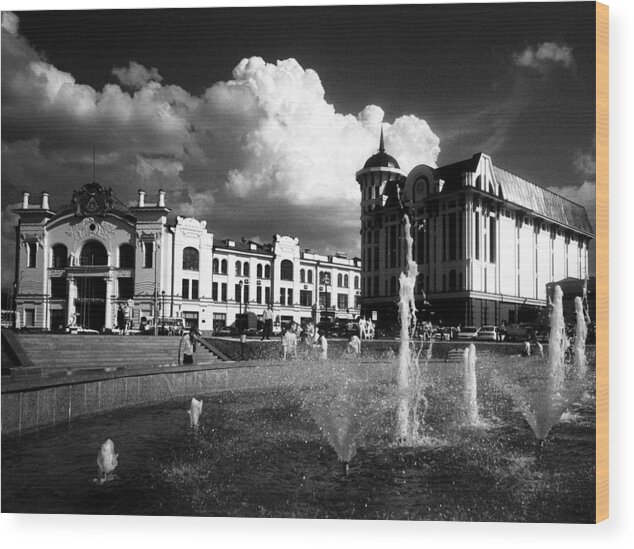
(215, 265)
(190, 259)
(258, 270)
(60, 256)
(340, 280)
(421, 187)
(238, 270)
(267, 271)
(223, 266)
(302, 275)
(126, 256)
(286, 270)
(245, 269)
(93, 253)
(356, 282)
(346, 281)
(310, 277)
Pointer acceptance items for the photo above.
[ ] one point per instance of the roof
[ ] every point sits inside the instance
(381, 159)
(542, 202)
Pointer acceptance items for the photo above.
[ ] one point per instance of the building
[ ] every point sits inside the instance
(486, 241)
(79, 263)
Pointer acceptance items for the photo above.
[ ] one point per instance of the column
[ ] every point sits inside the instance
(70, 307)
(109, 292)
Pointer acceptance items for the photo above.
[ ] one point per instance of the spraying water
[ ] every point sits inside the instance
(470, 387)
(412, 403)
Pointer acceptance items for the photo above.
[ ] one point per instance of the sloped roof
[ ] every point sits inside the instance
(542, 202)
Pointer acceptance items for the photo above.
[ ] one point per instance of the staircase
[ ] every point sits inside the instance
(46, 354)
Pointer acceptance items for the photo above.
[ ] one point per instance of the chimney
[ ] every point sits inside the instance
(161, 202)
(25, 200)
(141, 198)
(44, 201)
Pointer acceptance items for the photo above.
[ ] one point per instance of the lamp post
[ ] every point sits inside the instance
(163, 310)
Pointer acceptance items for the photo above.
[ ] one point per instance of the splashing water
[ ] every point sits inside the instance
(412, 403)
(555, 387)
(470, 387)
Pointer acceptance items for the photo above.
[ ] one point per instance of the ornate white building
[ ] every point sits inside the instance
(80, 262)
(486, 241)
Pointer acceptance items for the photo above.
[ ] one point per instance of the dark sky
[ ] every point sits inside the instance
(513, 80)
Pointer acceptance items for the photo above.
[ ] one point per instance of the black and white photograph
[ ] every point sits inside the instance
(301, 262)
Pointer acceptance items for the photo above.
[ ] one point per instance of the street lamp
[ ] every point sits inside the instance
(163, 310)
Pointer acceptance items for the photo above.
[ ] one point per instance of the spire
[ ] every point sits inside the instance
(381, 145)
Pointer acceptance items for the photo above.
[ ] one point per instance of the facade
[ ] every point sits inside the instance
(486, 242)
(76, 265)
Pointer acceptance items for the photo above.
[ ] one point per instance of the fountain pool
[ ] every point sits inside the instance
(264, 453)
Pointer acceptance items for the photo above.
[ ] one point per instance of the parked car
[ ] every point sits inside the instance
(487, 333)
(520, 332)
(468, 332)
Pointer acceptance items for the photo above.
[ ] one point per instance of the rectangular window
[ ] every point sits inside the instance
(342, 301)
(305, 298)
(453, 236)
(267, 295)
(376, 259)
(376, 286)
(214, 291)
(258, 293)
(223, 291)
(289, 297)
(31, 260)
(492, 239)
(237, 292)
(185, 288)
(194, 289)
(148, 255)
(245, 297)
(324, 299)
(477, 235)
(126, 288)
(59, 288)
(220, 321)
(29, 318)
(282, 296)
(445, 244)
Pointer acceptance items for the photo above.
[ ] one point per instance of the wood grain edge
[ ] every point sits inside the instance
(602, 261)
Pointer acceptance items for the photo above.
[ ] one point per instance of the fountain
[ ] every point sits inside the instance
(412, 403)
(554, 384)
(470, 387)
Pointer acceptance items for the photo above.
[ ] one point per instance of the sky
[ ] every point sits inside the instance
(256, 119)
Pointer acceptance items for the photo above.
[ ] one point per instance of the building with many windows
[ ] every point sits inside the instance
(78, 264)
(486, 241)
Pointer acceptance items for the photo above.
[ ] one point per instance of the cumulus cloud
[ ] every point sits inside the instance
(136, 75)
(10, 22)
(585, 163)
(263, 149)
(544, 56)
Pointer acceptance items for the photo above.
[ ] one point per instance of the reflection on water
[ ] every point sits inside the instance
(261, 454)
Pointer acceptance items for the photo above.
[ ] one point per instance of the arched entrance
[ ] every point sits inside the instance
(90, 305)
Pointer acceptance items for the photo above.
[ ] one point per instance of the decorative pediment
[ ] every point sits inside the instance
(90, 226)
(92, 200)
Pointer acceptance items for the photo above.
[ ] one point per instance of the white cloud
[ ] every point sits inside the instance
(585, 163)
(263, 150)
(544, 56)
(10, 22)
(136, 75)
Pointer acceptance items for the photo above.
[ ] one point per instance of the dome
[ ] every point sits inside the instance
(381, 159)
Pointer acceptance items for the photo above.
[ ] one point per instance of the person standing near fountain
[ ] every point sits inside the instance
(322, 345)
(268, 316)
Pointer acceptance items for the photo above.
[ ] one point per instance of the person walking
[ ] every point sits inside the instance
(322, 345)
(267, 316)
(121, 319)
(188, 345)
